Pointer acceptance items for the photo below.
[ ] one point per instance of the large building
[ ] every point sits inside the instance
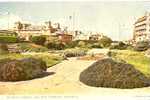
(142, 29)
(88, 36)
(26, 30)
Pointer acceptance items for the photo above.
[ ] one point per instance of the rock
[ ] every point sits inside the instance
(19, 70)
(109, 73)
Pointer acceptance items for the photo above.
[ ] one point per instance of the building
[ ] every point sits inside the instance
(96, 37)
(81, 36)
(26, 30)
(66, 38)
(142, 28)
(88, 36)
(62, 37)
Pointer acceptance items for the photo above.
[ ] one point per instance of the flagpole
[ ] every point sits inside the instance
(73, 21)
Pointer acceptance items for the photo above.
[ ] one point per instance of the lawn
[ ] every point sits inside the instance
(31, 47)
(50, 59)
(138, 59)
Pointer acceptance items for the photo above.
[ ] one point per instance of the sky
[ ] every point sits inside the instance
(115, 18)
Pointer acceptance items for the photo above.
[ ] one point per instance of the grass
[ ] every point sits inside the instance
(50, 59)
(32, 47)
(138, 59)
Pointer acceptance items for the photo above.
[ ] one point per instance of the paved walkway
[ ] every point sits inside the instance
(64, 81)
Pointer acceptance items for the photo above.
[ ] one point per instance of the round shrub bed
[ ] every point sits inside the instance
(24, 69)
(74, 53)
(112, 74)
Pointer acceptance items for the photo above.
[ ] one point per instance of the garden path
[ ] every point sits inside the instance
(64, 80)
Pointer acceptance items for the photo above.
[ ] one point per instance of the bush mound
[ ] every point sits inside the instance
(109, 73)
(74, 53)
(23, 69)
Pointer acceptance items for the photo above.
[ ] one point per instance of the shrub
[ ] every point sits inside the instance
(24, 69)
(71, 44)
(111, 54)
(105, 41)
(3, 49)
(40, 40)
(113, 74)
(55, 45)
(74, 52)
(96, 45)
(141, 46)
(119, 45)
(130, 47)
(8, 39)
(81, 44)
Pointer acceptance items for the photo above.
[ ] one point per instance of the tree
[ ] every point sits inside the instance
(105, 41)
(19, 25)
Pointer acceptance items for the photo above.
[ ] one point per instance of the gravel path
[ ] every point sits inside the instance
(64, 80)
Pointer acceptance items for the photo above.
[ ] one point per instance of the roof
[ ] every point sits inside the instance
(35, 27)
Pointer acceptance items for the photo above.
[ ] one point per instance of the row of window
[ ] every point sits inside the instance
(140, 30)
(144, 24)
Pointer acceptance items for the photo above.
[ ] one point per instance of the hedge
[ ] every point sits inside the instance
(8, 39)
(55, 45)
(141, 46)
(40, 40)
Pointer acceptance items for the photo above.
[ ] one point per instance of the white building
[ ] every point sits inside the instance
(88, 36)
(27, 30)
(142, 28)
